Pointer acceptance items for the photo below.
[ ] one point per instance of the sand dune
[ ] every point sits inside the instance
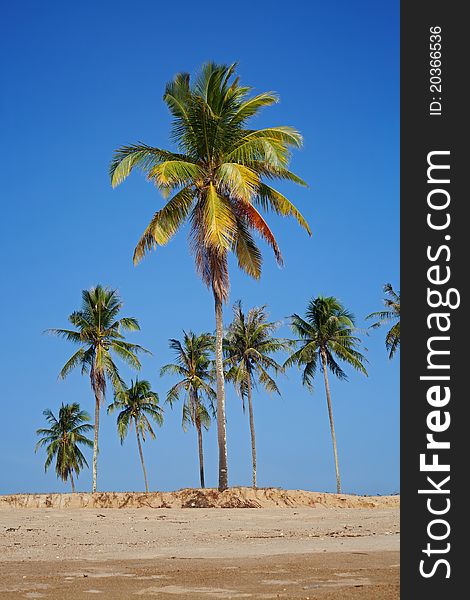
(242, 497)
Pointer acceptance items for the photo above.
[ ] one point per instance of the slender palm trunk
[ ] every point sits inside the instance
(252, 427)
(95, 439)
(332, 425)
(221, 422)
(201, 452)
(141, 457)
(72, 482)
(195, 407)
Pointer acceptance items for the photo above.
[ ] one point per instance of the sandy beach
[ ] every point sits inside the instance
(316, 552)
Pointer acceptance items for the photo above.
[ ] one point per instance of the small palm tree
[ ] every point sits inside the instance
(98, 332)
(326, 335)
(390, 315)
(136, 405)
(194, 367)
(63, 438)
(248, 346)
(217, 182)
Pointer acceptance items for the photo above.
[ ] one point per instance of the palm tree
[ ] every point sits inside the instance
(63, 438)
(99, 334)
(136, 404)
(216, 178)
(248, 346)
(326, 335)
(390, 315)
(194, 367)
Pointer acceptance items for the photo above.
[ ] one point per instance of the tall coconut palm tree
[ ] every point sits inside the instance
(248, 346)
(216, 180)
(63, 438)
(194, 368)
(391, 314)
(137, 405)
(326, 335)
(98, 332)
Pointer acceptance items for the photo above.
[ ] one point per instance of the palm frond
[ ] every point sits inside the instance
(391, 314)
(219, 220)
(67, 334)
(165, 223)
(252, 106)
(137, 155)
(247, 252)
(269, 198)
(237, 180)
(79, 358)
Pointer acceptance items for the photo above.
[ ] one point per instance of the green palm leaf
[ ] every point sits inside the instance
(137, 155)
(269, 198)
(165, 223)
(390, 315)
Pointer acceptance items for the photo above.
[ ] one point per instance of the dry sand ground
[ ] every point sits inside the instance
(318, 552)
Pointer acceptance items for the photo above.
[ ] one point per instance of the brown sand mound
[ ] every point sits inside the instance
(240, 497)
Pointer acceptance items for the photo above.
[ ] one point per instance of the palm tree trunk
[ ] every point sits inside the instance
(72, 482)
(141, 457)
(195, 407)
(252, 427)
(332, 425)
(95, 440)
(221, 422)
(201, 452)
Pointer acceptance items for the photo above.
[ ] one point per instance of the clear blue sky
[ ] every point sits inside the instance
(80, 79)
